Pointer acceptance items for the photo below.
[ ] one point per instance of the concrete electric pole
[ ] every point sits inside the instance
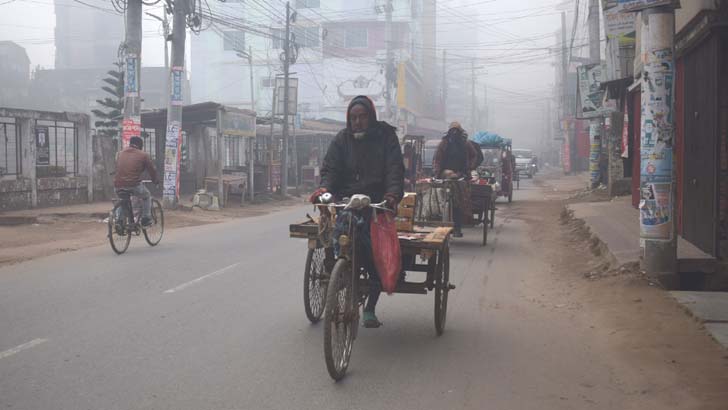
(390, 61)
(174, 108)
(658, 221)
(595, 124)
(286, 97)
(131, 124)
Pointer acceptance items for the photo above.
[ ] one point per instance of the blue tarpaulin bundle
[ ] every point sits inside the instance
(487, 139)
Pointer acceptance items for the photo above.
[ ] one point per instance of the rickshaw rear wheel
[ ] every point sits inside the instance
(314, 284)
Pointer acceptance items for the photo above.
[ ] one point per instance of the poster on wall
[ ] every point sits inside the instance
(655, 211)
(42, 146)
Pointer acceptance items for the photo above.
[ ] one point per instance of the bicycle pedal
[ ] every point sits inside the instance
(451, 286)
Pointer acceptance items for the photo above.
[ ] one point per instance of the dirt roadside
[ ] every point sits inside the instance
(68, 229)
(656, 352)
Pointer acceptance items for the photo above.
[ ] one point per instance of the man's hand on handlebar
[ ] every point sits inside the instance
(314, 198)
(391, 201)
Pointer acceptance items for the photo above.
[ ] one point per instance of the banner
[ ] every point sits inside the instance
(657, 130)
(637, 5)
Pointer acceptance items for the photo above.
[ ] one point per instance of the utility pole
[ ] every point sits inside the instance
(568, 139)
(595, 124)
(444, 85)
(165, 27)
(286, 97)
(251, 160)
(390, 60)
(484, 121)
(131, 124)
(174, 109)
(657, 179)
(473, 102)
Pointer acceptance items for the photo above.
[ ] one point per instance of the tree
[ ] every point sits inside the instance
(108, 123)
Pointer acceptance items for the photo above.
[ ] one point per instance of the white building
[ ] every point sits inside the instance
(341, 54)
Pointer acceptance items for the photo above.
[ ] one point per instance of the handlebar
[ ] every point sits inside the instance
(356, 202)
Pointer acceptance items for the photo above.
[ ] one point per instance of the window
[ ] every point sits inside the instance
(356, 37)
(306, 36)
(308, 4)
(62, 158)
(9, 147)
(233, 40)
(149, 135)
(234, 151)
(268, 82)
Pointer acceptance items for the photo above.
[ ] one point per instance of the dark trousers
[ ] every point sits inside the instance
(364, 252)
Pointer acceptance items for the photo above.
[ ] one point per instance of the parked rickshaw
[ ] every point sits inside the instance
(413, 148)
(336, 288)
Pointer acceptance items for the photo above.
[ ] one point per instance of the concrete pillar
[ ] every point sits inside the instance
(657, 206)
(27, 138)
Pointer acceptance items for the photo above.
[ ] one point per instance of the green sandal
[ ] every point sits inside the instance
(370, 320)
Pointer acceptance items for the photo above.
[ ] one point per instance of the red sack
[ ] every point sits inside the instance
(386, 251)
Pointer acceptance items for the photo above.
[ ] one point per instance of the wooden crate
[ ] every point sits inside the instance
(406, 212)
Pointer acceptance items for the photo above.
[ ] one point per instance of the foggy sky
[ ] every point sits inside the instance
(501, 28)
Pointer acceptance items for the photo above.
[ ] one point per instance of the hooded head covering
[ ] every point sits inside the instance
(367, 103)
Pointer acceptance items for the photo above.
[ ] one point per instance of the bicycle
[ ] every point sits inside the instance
(125, 221)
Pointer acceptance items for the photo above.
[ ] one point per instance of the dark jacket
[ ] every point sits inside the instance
(130, 166)
(454, 153)
(371, 166)
(479, 158)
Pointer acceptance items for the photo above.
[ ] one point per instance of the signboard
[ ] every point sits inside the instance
(171, 161)
(637, 5)
(130, 127)
(238, 124)
(620, 26)
(589, 92)
(176, 74)
(292, 95)
(42, 146)
(655, 211)
(131, 77)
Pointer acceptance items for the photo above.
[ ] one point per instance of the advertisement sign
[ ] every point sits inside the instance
(177, 74)
(292, 95)
(657, 130)
(130, 127)
(131, 77)
(171, 161)
(42, 146)
(655, 211)
(590, 94)
(637, 5)
(620, 25)
(238, 124)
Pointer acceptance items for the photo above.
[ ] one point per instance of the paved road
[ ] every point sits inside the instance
(213, 319)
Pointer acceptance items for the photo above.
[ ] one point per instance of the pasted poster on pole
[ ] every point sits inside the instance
(171, 152)
(655, 211)
(590, 94)
(625, 136)
(657, 128)
(177, 74)
(130, 127)
(594, 151)
(131, 77)
(42, 146)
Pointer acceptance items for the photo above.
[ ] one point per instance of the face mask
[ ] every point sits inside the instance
(360, 135)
